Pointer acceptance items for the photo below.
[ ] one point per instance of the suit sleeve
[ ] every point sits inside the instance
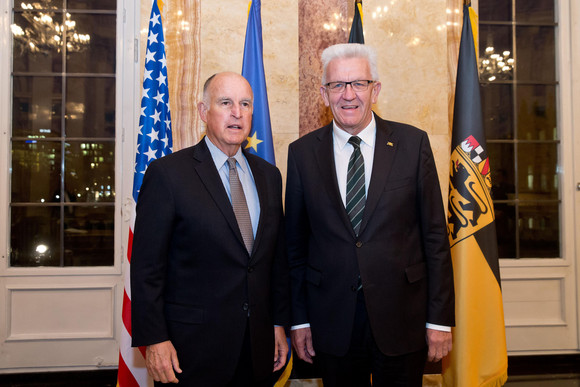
(297, 239)
(150, 251)
(441, 301)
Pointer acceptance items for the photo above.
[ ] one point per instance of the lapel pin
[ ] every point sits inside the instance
(390, 144)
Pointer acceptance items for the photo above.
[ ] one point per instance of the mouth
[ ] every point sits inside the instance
(235, 127)
(349, 107)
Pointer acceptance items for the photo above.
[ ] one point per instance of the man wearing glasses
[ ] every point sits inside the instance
(371, 274)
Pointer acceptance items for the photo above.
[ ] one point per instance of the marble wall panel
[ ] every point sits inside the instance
(321, 24)
(417, 44)
(222, 35)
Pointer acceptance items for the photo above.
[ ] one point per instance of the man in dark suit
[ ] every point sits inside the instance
(209, 275)
(370, 269)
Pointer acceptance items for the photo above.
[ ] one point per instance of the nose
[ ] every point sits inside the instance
(236, 111)
(348, 92)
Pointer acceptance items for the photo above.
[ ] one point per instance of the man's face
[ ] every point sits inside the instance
(351, 110)
(228, 111)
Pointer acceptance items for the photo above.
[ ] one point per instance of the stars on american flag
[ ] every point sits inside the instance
(154, 139)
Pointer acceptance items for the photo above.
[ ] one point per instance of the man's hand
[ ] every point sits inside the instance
(439, 343)
(302, 343)
(280, 348)
(162, 361)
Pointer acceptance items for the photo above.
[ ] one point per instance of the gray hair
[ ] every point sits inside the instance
(350, 50)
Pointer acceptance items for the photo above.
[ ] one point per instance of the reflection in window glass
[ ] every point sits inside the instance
(88, 236)
(99, 55)
(35, 236)
(497, 108)
(63, 133)
(36, 167)
(36, 106)
(519, 93)
(90, 174)
(90, 107)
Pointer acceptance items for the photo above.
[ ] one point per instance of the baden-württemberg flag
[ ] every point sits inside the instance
(479, 355)
(260, 139)
(356, 29)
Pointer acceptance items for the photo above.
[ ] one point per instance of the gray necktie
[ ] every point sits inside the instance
(355, 185)
(240, 206)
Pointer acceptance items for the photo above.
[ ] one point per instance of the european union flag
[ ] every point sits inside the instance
(260, 140)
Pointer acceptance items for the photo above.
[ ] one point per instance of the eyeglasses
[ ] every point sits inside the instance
(339, 87)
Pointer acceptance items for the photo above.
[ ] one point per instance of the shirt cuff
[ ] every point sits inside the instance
(300, 326)
(436, 327)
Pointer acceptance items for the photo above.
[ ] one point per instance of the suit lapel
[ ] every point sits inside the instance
(325, 159)
(210, 178)
(385, 150)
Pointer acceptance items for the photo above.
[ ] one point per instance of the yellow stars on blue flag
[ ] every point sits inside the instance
(253, 142)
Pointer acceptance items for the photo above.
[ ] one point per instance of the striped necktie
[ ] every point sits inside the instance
(240, 206)
(355, 185)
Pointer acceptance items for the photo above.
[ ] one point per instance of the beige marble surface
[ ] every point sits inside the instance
(321, 24)
(417, 43)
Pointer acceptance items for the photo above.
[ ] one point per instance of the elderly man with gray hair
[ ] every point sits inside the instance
(370, 268)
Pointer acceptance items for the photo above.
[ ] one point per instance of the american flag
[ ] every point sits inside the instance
(154, 141)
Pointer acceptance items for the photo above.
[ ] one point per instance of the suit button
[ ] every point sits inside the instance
(246, 306)
(250, 269)
(359, 244)
(353, 288)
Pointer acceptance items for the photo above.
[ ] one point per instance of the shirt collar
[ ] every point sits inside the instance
(220, 158)
(367, 135)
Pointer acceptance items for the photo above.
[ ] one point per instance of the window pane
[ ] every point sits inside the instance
(495, 10)
(44, 4)
(537, 171)
(497, 107)
(496, 59)
(536, 112)
(34, 236)
(538, 11)
(36, 106)
(536, 53)
(90, 108)
(92, 52)
(539, 226)
(88, 236)
(501, 161)
(505, 225)
(90, 171)
(37, 42)
(92, 4)
(35, 171)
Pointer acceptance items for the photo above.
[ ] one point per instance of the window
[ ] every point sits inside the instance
(63, 133)
(519, 101)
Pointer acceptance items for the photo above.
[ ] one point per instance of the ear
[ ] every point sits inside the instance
(202, 109)
(324, 95)
(375, 93)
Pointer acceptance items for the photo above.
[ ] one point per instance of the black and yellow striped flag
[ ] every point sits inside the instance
(479, 355)
(356, 29)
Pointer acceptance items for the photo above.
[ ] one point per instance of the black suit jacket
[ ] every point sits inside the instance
(192, 280)
(401, 253)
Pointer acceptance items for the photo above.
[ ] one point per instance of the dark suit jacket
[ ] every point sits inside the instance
(192, 280)
(402, 252)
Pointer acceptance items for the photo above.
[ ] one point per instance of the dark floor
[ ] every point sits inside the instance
(524, 371)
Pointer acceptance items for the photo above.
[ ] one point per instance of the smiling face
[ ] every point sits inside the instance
(351, 110)
(227, 111)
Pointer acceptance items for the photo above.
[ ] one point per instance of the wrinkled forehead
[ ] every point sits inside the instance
(231, 86)
(348, 69)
